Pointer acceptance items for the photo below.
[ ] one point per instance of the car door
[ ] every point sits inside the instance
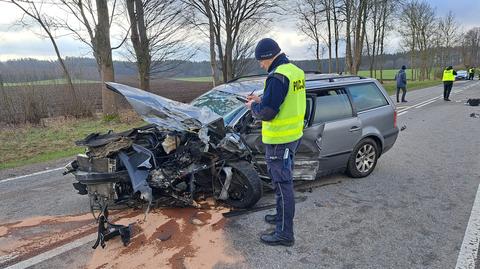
(342, 128)
(307, 157)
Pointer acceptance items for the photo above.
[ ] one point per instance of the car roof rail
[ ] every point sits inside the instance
(333, 78)
(330, 79)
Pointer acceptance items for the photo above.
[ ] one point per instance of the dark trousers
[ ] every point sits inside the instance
(447, 88)
(280, 168)
(470, 76)
(404, 92)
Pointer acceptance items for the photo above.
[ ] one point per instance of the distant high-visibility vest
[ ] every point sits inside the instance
(287, 126)
(471, 70)
(448, 75)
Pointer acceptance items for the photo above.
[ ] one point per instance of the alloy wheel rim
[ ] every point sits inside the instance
(365, 158)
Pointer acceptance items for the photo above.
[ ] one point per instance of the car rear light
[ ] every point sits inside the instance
(395, 119)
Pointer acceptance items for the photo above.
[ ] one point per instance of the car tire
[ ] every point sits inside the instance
(246, 187)
(363, 159)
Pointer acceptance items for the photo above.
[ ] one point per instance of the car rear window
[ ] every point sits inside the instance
(366, 96)
(332, 105)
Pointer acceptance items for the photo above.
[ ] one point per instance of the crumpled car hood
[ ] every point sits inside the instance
(165, 113)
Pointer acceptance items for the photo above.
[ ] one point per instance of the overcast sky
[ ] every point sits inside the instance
(16, 42)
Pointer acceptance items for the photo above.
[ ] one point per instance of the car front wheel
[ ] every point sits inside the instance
(245, 188)
(363, 159)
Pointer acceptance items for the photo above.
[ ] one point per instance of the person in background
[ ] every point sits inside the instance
(401, 78)
(471, 73)
(448, 79)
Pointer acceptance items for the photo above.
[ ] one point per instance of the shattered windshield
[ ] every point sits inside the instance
(222, 103)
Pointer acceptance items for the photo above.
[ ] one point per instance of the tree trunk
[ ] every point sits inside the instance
(104, 52)
(328, 5)
(348, 45)
(140, 42)
(318, 56)
(359, 35)
(337, 38)
(213, 57)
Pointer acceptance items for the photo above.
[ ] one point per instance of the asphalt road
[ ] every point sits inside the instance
(411, 212)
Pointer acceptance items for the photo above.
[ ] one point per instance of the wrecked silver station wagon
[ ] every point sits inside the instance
(213, 147)
(184, 152)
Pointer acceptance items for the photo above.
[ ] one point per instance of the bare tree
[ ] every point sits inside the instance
(337, 24)
(408, 30)
(471, 47)
(235, 24)
(355, 13)
(373, 35)
(388, 10)
(310, 24)
(196, 13)
(34, 11)
(328, 5)
(157, 35)
(426, 27)
(379, 24)
(95, 19)
(448, 37)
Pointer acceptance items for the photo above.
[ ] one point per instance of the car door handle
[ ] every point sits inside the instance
(354, 129)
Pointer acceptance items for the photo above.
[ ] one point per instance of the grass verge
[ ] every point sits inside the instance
(391, 86)
(32, 144)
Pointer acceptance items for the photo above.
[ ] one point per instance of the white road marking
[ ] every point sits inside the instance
(469, 250)
(31, 175)
(401, 113)
(426, 103)
(54, 252)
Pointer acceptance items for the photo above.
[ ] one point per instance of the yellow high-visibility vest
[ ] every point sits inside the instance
(287, 126)
(448, 75)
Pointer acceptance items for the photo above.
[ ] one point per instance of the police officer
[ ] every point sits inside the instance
(471, 73)
(282, 111)
(448, 79)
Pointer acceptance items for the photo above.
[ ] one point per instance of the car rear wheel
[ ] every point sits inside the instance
(363, 159)
(245, 188)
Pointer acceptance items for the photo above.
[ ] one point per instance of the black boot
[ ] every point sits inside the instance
(275, 240)
(270, 219)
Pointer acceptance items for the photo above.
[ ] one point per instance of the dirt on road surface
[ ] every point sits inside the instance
(168, 238)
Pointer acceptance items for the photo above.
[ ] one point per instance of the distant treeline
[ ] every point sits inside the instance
(24, 70)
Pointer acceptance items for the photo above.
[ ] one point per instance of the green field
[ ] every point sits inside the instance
(60, 81)
(33, 144)
(391, 86)
(387, 74)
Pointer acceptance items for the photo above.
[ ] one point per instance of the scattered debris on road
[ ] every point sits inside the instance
(473, 101)
(169, 238)
(475, 115)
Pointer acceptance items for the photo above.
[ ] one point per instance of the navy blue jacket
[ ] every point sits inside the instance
(401, 78)
(276, 89)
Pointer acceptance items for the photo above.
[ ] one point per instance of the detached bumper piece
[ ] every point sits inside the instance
(107, 230)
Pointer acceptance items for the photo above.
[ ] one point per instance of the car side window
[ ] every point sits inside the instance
(366, 96)
(332, 105)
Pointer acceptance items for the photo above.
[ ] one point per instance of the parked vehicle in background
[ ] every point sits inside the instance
(461, 75)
